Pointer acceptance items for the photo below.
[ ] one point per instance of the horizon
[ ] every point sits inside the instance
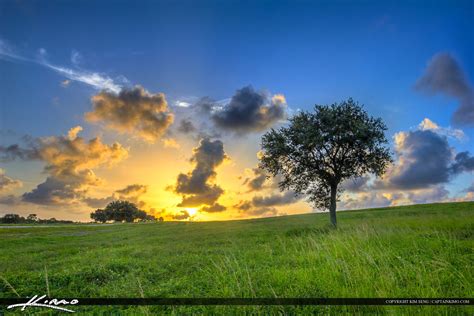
(252, 218)
(167, 109)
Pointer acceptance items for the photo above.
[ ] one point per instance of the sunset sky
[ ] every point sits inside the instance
(164, 103)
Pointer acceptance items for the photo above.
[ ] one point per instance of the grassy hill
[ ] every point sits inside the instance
(411, 251)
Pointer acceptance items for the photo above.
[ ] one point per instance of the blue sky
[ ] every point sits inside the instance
(309, 51)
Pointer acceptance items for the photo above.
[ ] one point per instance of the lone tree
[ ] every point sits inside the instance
(99, 216)
(318, 150)
(119, 211)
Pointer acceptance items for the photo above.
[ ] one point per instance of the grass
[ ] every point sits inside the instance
(410, 251)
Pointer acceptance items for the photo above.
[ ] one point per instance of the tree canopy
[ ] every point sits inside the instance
(319, 149)
(120, 211)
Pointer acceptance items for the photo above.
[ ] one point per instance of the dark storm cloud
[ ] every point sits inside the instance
(196, 186)
(250, 110)
(444, 75)
(134, 111)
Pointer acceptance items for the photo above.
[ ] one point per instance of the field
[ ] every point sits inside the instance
(411, 251)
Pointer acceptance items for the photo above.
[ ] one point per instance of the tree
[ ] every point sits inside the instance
(99, 216)
(32, 218)
(317, 151)
(150, 218)
(12, 219)
(119, 211)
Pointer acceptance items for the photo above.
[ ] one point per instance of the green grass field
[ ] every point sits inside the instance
(411, 251)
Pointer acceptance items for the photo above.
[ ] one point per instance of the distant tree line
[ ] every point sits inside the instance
(30, 219)
(122, 211)
(116, 211)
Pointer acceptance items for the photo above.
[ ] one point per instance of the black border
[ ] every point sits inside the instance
(188, 301)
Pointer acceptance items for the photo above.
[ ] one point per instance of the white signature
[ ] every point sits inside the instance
(39, 301)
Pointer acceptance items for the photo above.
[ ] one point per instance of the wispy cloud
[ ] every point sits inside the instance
(76, 57)
(94, 79)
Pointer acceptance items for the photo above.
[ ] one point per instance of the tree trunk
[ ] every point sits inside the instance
(332, 207)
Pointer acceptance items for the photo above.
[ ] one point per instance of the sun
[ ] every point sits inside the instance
(191, 210)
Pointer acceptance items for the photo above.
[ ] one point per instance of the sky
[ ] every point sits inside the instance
(164, 103)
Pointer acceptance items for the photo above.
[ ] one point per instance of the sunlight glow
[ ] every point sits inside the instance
(191, 210)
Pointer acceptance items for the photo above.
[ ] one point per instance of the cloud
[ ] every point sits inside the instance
(193, 120)
(171, 143)
(372, 199)
(364, 200)
(76, 58)
(69, 163)
(249, 111)
(133, 111)
(132, 193)
(429, 195)
(356, 185)
(244, 205)
(265, 205)
(186, 126)
(262, 212)
(288, 197)
(8, 53)
(94, 79)
(61, 190)
(208, 197)
(181, 215)
(10, 200)
(444, 75)
(196, 186)
(65, 83)
(428, 124)
(183, 104)
(423, 159)
(15, 151)
(248, 208)
(470, 188)
(7, 183)
(425, 163)
(214, 208)
(463, 162)
(256, 181)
